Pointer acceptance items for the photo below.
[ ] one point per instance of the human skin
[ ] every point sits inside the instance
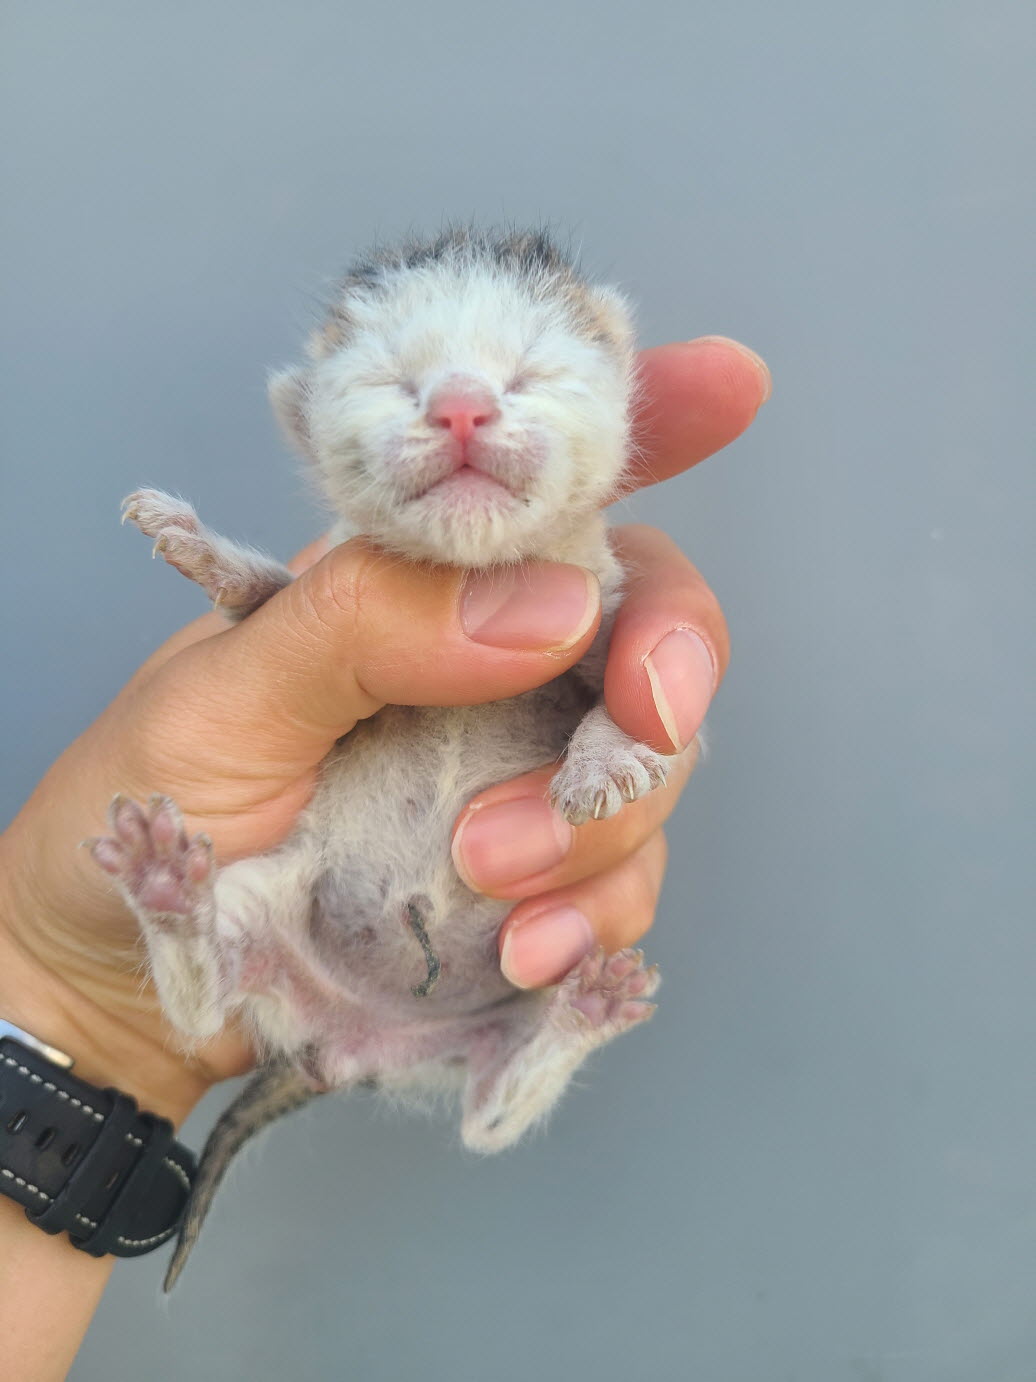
(233, 724)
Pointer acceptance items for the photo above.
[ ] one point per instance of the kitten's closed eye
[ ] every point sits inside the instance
(381, 380)
(528, 376)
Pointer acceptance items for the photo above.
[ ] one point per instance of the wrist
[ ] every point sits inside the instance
(48, 1294)
(106, 1052)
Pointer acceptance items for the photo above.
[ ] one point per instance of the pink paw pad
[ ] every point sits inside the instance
(610, 992)
(149, 852)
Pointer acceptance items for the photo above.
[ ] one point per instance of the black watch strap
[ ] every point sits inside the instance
(85, 1160)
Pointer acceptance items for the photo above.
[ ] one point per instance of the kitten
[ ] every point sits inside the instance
(467, 401)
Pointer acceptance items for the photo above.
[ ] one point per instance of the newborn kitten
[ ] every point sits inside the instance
(466, 402)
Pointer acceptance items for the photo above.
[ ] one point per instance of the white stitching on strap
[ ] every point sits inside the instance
(134, 1141)
(92, 1223)
(68, 1098)
(148, 1242)
(26, 1184)
(178, 1170)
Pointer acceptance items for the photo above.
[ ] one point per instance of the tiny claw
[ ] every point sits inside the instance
(637, 1012)
(198, 860)
(106, 854)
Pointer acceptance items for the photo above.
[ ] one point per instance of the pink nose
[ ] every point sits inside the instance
(461, 405)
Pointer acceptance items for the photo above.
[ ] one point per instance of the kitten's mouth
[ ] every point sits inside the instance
(467, 481)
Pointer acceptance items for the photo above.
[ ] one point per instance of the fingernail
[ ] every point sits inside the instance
(545, 607)
(544, 948)
(502, 844)
(683, 678)
(757, 361)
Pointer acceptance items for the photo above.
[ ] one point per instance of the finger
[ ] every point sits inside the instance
(545, 936)
(669, 647)
(361, 629)
(696, 397)
(510, 842)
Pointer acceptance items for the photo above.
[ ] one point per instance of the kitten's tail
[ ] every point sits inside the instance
(275, 1090)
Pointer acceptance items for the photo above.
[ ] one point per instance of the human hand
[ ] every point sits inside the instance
(233, 723)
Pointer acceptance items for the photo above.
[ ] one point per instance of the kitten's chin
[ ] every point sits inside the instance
(461, 534)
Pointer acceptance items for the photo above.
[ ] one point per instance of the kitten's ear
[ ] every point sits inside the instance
(611, 318)
(289, 394)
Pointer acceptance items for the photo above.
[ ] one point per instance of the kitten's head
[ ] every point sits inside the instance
(466, 399)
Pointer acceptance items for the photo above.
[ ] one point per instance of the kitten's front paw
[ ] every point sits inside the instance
(593, 786)
(154, 511)
(236, 579)
(182, 541)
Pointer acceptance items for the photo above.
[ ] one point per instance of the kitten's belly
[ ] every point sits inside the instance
(384, 813)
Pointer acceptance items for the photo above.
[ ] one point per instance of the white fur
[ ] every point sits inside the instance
(560, 442)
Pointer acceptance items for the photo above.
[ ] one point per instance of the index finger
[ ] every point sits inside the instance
(695, 398)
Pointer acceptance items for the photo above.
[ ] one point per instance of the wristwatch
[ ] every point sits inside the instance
(84, 1160)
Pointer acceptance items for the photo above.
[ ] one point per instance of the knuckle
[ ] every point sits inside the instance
(342, 588)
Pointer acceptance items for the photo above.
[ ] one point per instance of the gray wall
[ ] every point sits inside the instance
(819, 1163)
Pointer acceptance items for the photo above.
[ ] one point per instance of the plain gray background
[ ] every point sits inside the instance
(819, 1162)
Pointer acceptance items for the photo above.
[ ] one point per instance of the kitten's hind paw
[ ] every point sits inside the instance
(605, 995)
(167, 880)
(164, 875)
(602, 997)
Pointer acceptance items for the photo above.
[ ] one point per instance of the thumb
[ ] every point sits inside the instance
(362, 628)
